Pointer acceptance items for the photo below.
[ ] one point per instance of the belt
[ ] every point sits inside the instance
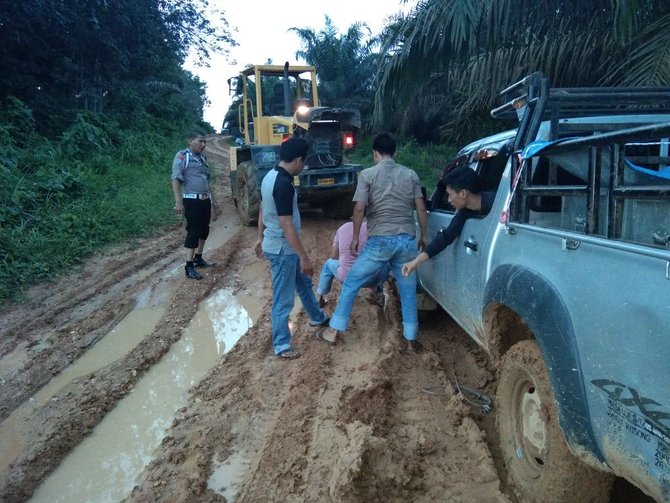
(193, 195)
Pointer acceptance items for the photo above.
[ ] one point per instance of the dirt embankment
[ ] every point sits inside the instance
(362, 421)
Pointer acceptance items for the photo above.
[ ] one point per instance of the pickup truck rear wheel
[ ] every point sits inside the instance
(539, 463)
(248, 195)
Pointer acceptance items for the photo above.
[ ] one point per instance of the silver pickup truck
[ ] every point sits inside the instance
(566, 284)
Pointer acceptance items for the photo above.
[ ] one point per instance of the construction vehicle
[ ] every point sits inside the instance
(276, 103)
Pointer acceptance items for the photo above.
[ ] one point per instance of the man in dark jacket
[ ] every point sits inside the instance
(465, 196)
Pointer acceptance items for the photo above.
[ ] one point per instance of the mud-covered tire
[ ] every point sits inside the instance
(341, 207)
(248, 193)
(539, 463)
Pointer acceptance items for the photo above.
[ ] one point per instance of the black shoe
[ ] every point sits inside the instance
(191, 273)
(200, 262)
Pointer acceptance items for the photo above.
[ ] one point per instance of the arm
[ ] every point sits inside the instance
(178, 201)
(421, 216)
(335, 248)
(291, 234)
(258, 247)
(409, 267)
(359, 214)
(441, 240)
(215, 214)
(447, 236)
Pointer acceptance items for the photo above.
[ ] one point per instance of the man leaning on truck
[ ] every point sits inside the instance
(462, 186)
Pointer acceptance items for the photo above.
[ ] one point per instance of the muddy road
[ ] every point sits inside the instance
(126, 381)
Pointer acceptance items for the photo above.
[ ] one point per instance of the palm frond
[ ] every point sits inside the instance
(647, 60)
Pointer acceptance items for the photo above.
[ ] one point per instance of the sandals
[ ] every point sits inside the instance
(289, 354)
(319, 335)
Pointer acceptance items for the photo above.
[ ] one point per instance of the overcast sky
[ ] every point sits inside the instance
(262, 32)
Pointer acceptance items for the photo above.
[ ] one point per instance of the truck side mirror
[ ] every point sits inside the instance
(235, 86)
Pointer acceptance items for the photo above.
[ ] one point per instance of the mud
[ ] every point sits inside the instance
(363, 421)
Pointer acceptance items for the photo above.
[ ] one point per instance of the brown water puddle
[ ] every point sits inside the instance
(105, 465)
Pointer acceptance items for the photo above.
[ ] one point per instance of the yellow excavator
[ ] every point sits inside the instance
(277, 102)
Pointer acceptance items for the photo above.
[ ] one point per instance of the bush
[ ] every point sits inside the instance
(63, 200)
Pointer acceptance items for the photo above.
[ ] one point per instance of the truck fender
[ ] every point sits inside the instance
(540, 305)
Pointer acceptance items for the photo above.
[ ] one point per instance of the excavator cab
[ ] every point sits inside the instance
(271, 94)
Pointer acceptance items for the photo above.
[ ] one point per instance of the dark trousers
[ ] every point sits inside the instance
(198, 213)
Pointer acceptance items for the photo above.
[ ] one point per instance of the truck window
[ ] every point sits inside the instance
(489, 171)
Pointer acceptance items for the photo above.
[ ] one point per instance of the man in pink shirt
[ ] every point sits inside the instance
(341, 261)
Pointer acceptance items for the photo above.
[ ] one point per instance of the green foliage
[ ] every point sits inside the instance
(62, 200)
(58, 214)
(94, 105)
(62, 59)
(447, 60)
(427, 160)
(84, 137)
(345, 64)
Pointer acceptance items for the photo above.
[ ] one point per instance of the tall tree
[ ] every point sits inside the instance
(60, 57)
(345, 63)
(446, 61)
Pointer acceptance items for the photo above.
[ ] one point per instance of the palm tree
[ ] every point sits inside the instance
(446, 61)
(345, 63)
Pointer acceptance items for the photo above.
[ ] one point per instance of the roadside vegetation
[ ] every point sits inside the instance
(64, 199)
(442, 66)
(95, 104)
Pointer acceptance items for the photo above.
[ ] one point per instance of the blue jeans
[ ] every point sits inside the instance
(286, 280)
(380, 252)
(329, 272)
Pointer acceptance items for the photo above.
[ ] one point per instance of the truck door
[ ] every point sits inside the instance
(466, 267)
(454, 276)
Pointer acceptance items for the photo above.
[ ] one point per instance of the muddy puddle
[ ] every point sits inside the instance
(227, 474)
(116, 344)
(103, 468)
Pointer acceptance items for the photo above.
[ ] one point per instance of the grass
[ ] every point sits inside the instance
(57, 216)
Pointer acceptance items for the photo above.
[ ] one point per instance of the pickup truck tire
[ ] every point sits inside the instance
(539, 463)
(248, 193)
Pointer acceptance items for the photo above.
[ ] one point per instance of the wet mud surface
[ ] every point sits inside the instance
(363, 421)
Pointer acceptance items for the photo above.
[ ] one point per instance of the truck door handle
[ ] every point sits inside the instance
(470, 244)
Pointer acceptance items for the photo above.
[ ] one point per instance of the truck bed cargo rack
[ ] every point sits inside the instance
(533, 101)
(598, 145)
